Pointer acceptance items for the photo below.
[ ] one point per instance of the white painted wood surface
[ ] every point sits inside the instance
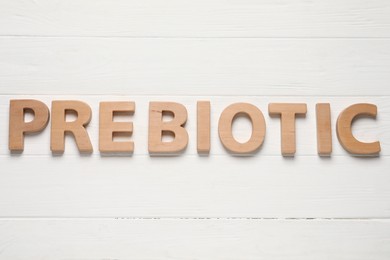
(215, 207)
(180, 66)
(193, 186)
(202, 18)
(194, 239)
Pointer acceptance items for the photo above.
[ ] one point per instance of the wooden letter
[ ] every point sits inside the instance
(324, 131)
(203, 127)
(344, 132)
(287, 112)
(108, 128)
(157, 127)
(60, 127)
(225, 128)
(18, 127)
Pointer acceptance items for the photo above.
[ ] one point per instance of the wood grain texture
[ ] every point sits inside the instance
(287, 112)
(203, 115)
(202, 18)
(158, 127)
(195, 186)
(108, 128)
(134, 66)
(365, 129)
(194, 239)
(324, 129)
(60, 127)
(344, 129)
(225, 128)
(18, 127)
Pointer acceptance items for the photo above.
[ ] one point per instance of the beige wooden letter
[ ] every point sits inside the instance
(344, 131)
(18, 127)
(225, 128)
(287, 112)
(324, 131)
(108, 128)
(60, 127)
(203, 127)
(175, 127)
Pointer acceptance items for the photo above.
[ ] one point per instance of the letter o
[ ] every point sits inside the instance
(225, 128)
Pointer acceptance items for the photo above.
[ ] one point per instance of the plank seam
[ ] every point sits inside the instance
(186, 218)
(198, 37)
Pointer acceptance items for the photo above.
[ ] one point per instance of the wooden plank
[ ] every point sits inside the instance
(194, 239)
(194, 66)
(192, 186)
(365, 129)
(203, 18)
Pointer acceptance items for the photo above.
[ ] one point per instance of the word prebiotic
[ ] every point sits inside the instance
(287, 112)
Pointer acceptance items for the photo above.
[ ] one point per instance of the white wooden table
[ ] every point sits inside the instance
(192, 207)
